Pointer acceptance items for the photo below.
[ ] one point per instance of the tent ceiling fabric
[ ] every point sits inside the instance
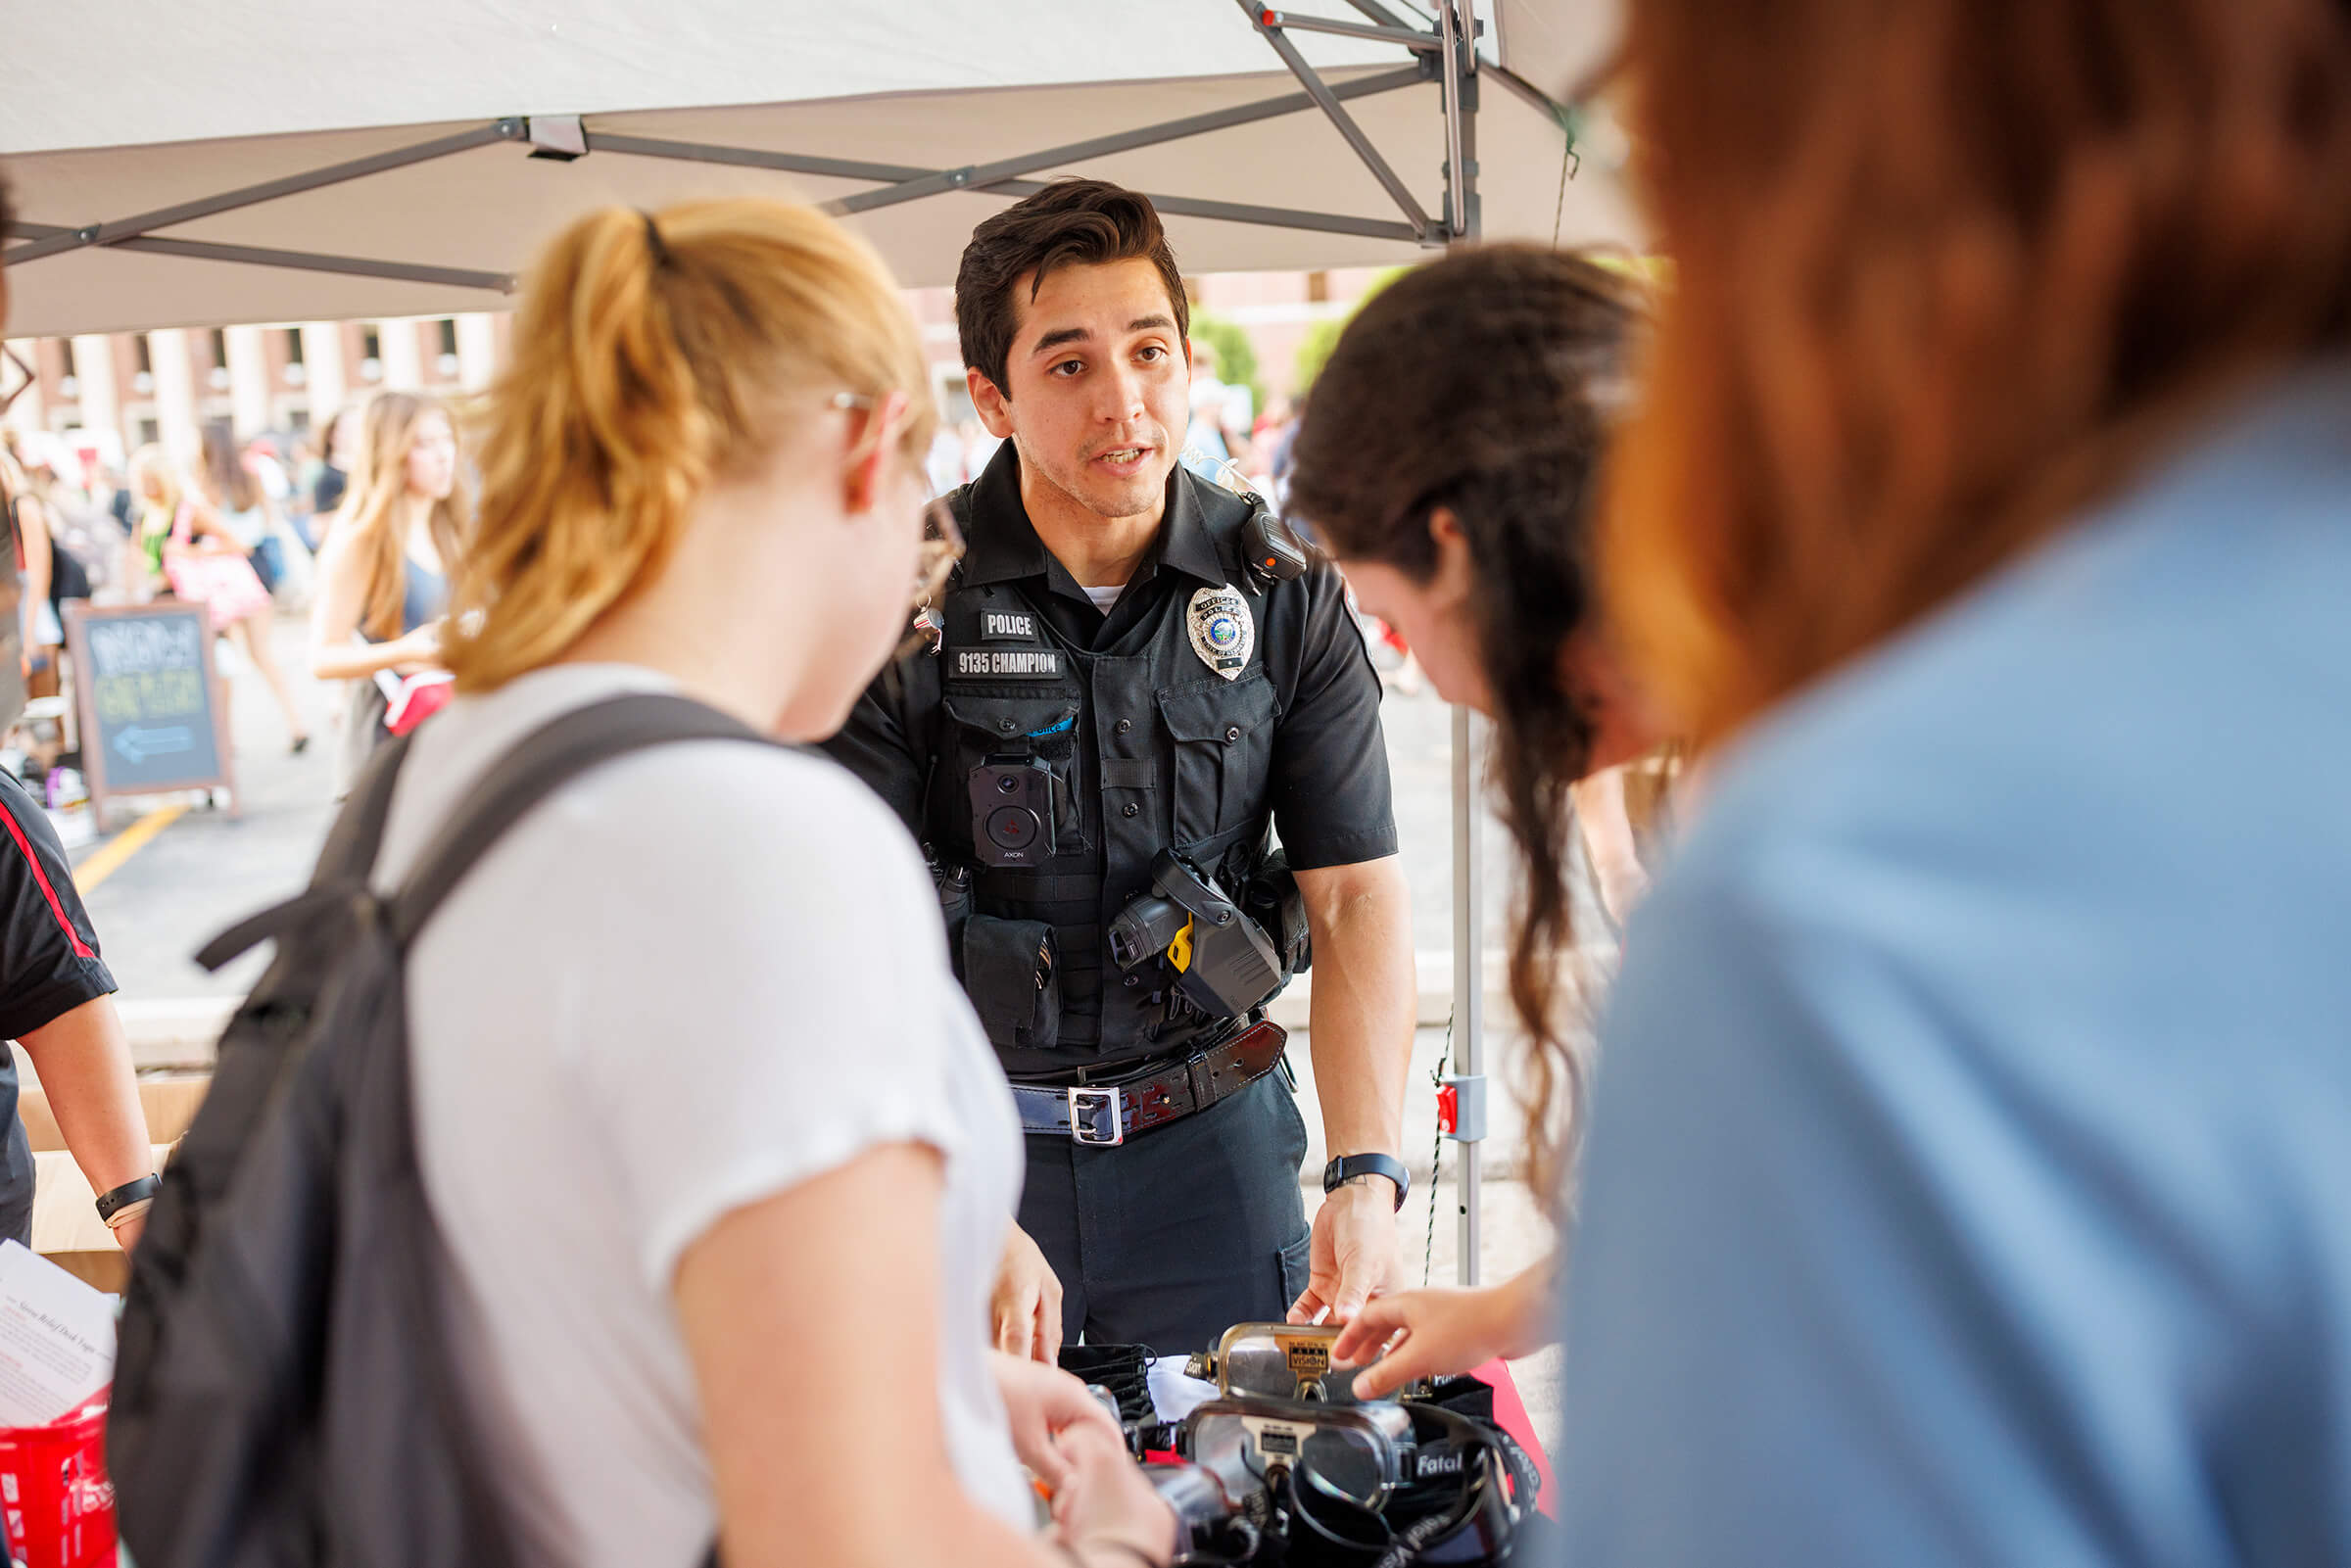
(911, 83)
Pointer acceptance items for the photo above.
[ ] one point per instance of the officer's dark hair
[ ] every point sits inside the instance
(1484, 384)
(1071, 222)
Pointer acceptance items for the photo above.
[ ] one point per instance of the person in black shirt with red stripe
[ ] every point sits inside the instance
(55, 1002)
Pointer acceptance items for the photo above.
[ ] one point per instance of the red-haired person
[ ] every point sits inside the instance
(1968, 1178)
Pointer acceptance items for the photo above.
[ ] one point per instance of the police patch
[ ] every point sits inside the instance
(1000, 626)
(1008, 664)
(1223, 633)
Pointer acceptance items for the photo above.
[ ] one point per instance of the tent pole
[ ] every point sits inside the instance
(1398, 192)
(1419, 42)
(311, 262)
(1468, 729)
(129, 228)
(599, 141)
(293, 261)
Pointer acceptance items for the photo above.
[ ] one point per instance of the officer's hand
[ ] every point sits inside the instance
(1026, 1310)
(1042, 1405)
(1356, 1254)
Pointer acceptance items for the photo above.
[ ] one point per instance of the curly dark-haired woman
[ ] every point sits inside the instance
(1447, 459)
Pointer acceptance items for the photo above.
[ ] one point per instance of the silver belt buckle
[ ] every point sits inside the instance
(1086, 1104)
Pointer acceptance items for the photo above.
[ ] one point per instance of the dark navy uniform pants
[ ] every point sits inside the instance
(1173, 1238)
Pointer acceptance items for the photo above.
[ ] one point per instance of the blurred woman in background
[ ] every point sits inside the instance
(153, 485)
(183, 545)
(235, 493)
(382, 583)
(338, 451)
(1969, 1176)
(39, 560)
(226, 522)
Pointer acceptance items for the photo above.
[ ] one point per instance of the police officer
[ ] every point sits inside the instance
(1131, 686)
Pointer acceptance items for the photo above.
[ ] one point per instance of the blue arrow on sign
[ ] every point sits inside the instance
(137, 744)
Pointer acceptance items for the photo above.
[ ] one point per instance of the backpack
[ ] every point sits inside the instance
(284, 1392)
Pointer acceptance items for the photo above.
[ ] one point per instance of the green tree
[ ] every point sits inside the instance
(1236, 356)
(1323, 336)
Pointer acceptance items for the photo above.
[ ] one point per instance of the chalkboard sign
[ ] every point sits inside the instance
(147, 694)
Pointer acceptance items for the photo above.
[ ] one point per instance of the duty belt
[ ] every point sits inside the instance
(1103, 1115)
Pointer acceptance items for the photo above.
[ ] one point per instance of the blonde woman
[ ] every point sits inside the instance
(181, 544)
(37, 551)
(154, 482)
(382, 580)
(216, 533)
(721, 1163)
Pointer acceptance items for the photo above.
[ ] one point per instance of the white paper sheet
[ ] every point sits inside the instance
(57, 1339)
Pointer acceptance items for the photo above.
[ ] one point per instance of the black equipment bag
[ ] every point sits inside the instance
(285, 1393)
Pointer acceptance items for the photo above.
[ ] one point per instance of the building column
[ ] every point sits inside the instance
(477, 351)
(175, 392)
(322, 371)
(404, 365)
(247, 382)
(28, 412)
(94, 370)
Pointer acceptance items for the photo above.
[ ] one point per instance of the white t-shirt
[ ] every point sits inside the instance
(1105, 598)
(689, 981)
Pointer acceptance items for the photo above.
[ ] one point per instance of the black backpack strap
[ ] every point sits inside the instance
(345, 864)
(359, 832)
(541, 764)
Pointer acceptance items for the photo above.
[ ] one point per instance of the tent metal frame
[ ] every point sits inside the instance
(1444, 52)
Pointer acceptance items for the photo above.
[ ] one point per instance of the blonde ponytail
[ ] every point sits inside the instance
(654, 353)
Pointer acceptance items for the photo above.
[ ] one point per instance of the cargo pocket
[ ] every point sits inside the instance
(1012, 971)
(1041, 727)
(1224, 744)
(1296, 1265)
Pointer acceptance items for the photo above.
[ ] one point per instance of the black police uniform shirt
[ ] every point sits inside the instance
(49, 965)
(1151, 748)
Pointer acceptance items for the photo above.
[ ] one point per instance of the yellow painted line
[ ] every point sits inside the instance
(127, 843)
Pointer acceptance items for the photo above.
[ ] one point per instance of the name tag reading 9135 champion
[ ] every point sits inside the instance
(1008, 664)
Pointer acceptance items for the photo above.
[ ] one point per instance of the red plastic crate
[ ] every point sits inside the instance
(56, 1499)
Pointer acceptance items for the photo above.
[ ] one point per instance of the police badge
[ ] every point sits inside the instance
(1223, 634)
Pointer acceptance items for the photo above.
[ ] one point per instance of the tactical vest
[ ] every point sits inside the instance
(1149, 749)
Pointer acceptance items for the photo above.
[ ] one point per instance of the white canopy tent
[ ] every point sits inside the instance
(257, 161)
(265, 161)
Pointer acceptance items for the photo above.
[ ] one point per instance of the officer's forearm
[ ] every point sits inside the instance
(1360, 1016)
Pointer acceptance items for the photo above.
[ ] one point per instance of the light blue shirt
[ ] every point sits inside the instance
(1969, 1178)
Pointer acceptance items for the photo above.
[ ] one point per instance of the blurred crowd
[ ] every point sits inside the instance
(248, 528)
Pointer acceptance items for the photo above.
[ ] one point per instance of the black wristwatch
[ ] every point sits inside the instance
(1348, 1166)
(114, 1201)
